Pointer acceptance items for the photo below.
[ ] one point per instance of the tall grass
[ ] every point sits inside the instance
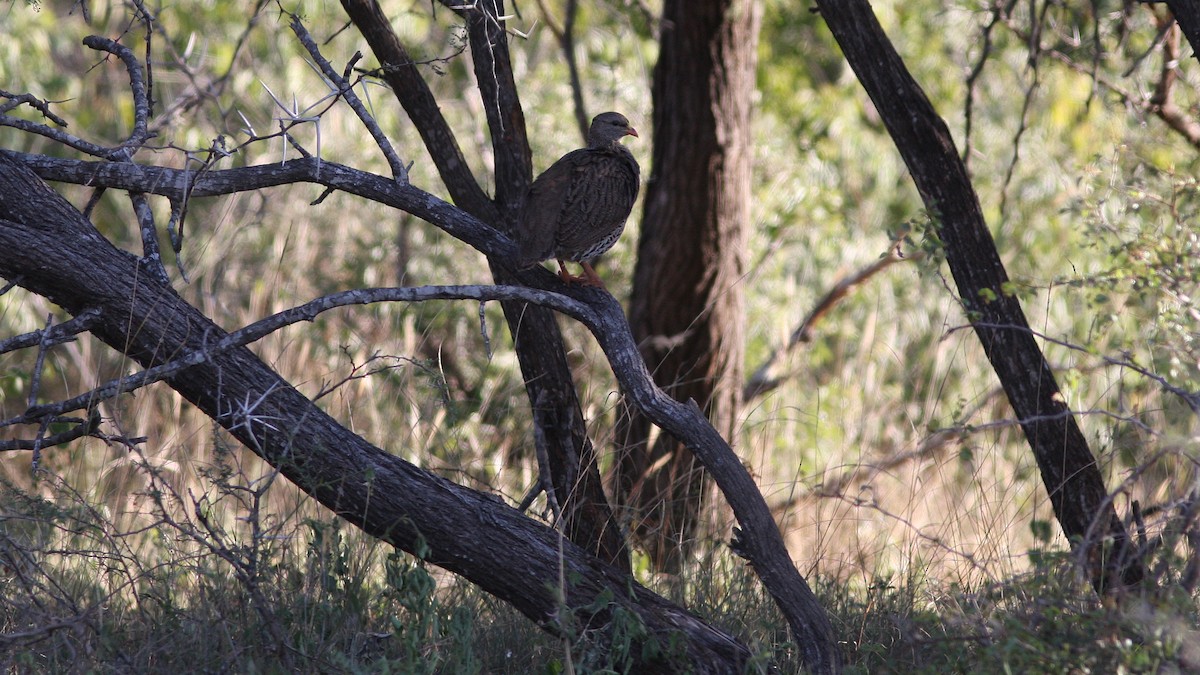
(905, 489)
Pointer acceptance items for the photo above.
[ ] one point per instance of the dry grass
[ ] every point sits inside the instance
(896, 472)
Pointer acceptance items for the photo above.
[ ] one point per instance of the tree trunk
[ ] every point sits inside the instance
(52, 250)
(560, 431)
(687, 304)
(1068, 468)
(758, 539)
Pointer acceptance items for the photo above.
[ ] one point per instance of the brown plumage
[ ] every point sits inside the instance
(577, 208)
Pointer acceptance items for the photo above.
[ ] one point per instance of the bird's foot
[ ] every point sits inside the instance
(588, 278)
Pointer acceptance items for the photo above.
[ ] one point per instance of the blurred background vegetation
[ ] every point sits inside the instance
(903, 485)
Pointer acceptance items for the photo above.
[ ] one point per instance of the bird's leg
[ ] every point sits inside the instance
(563, 273)
(589, 276)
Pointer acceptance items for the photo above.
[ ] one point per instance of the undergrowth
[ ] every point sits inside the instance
(213, 583)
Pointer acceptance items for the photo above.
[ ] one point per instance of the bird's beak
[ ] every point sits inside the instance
(632, 132)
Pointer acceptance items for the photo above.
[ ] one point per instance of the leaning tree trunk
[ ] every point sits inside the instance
(559, 426)
(687, 305)
(1067, 465)
(52, 250)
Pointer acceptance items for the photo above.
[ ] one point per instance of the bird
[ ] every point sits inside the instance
(576, 209)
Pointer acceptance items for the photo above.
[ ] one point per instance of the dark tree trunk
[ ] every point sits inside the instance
(53, 251)
(560, 429)
(1068, 468)
(687, 305)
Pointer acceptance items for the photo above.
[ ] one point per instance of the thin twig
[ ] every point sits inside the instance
(1037, 22)
(999, 10)
(35, 384)
(1191, 398)
(565, 35)
(346, 90)
(84, 427)
(306, 312)
(42, 106)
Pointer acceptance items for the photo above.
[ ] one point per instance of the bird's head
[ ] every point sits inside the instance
(608, 128)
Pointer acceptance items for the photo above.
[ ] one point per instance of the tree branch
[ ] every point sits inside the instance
(346, 91)
(400, 72)
(1068, 468)
(58, 254)
(498, 91)
(137, 86)
(180, 184)
(264, 327)
(764, 379)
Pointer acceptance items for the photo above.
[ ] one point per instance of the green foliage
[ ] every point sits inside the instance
(937, 552)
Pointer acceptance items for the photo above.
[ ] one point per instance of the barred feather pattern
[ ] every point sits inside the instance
(576, 209)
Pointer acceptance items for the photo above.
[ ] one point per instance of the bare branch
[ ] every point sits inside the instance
(306, 312)
(400, 72)
(1163, 102)
(498, 92)
(764, 380)
(565, 34)
(35, 383)
(82, 428)
(180, 184)
(137, 86)
(52, 335)
(1191, 398)
(32, 101)
(346, 90)
(57, 135)
(151, 255)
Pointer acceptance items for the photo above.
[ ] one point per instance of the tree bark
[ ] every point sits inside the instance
(686, 309)
(1068, 468)
(79, 284)
(53, 251)
(560, 428)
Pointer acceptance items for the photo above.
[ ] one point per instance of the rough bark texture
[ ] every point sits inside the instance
(687, 304)
(562, 430)
(56, 253)
(1068, 468)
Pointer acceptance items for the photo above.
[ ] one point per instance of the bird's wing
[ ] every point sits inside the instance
(542, 212)
(598, 203)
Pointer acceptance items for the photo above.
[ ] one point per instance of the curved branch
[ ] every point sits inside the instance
(264, 327)
(400, 72)
(764, 379)
(137, 86)
(179, 184)
(59, 255)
